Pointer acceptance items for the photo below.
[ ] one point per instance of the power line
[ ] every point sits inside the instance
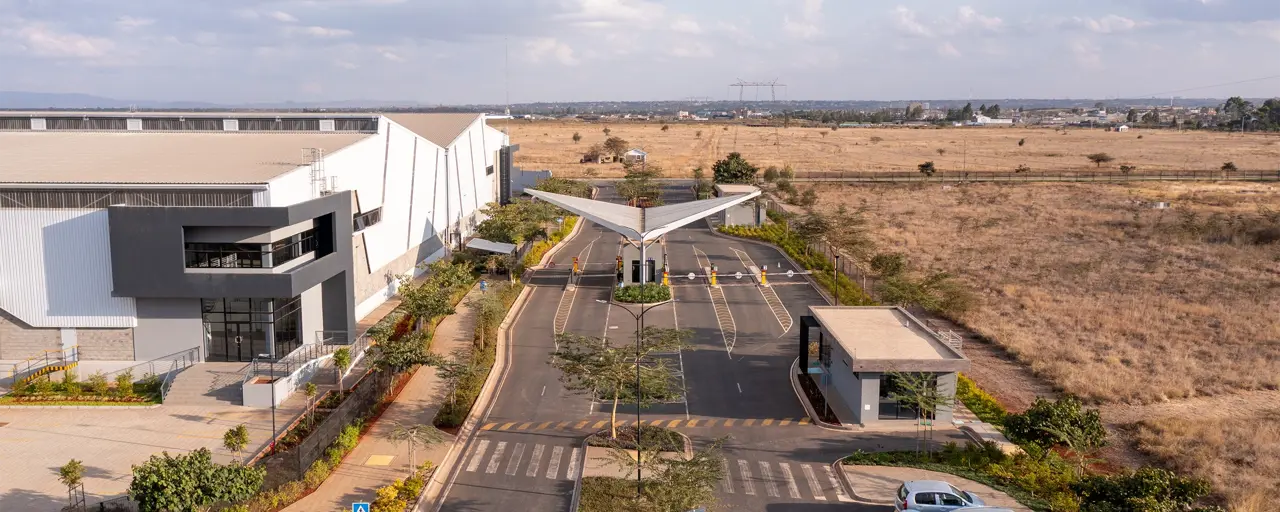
(1162, 93)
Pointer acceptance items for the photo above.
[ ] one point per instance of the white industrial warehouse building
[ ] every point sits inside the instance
(135, 235)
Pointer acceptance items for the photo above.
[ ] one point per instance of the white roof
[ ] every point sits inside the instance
(641, 223)
(881, 333)
(636, 152)
(486, 245)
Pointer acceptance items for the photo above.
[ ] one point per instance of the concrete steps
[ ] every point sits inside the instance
(209, 384)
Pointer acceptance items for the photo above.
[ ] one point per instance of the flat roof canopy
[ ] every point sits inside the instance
(887, 339)
(642, 224)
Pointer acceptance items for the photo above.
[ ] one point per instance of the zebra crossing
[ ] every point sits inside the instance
(782, 480)
(508, 457)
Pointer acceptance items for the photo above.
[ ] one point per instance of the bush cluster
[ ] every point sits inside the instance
(402, 493)
(97, 388)
(647, 293)
(980, 402)
(541, 247)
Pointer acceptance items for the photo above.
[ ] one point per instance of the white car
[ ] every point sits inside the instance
(933, 496)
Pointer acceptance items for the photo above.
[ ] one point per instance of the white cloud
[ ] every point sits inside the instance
(1086, 53)
(905, 21)
(544, 47)
(44, 41)
(694, 50)
(283, 17)
(248, 14)
(806, 25)
(346, 65)
(610, 13)
(685, 25)
(970, 17)
(1108, 24)
(946, 49)
(130, 23)
(324, 32)
(390, 55)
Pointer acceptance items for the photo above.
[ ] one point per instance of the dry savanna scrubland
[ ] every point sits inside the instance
(1165, 316)
(684, 146)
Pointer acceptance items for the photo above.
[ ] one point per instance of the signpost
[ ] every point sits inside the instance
(360, 507)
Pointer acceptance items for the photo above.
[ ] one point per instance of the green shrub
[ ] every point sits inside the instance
(411, 488)
(44, 386)
(1046, 421)
(647, 293)
(190, 481)
(982, 404)
(98, 383)
(388, 499)
(492, 307)
(124, 383)
(1145, 490)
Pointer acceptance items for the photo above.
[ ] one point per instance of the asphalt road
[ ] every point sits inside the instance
(528, 454)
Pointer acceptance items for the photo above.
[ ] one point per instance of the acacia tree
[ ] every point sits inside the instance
(1099, 158)
(641, 184)
(417, 435)
(616, 146)
(811, 228)
(734, 169)
(674, 484)
(594, 365)
(577, 137)
(425, 299)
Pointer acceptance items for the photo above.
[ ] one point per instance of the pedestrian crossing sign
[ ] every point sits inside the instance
(359, 507)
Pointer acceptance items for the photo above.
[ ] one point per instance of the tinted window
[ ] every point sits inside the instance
(955, 491)
(926, 498)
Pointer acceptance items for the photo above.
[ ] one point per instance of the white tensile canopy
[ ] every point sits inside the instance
(491, 246)
(642, 224)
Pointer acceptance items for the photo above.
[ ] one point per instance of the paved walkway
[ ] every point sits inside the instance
(879, 484)
(376, 461)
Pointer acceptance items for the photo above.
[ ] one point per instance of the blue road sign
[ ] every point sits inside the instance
(359, 507)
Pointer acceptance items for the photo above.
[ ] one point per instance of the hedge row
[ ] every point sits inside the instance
(849, 293)
(541, 247)
(491, 307)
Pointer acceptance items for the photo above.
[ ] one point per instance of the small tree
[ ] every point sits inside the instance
(1126, 169)
(124, 383)
(419, 435)
(593, 153)
(235, 439)
(1229, 167)
(311, 391)
(927, 168)
(577, 137)
(1022, 168)
(606, 131)
(811, 228)
(920, 392)
(71, 475)
(941, 151)
(1100, 158)
(590, 365)
(734, 169)
(190, 482)
(770, 174)
(615, 146)
(341, 361)
(1046, 423)
(1022, 142)
(396, 356)
(665, 128)
(425, 299)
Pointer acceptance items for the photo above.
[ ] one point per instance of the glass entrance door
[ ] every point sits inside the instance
(239, 342)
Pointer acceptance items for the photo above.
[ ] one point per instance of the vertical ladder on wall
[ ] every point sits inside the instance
(314, 157)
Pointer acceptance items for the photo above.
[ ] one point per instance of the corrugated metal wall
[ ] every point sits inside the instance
(55, 269)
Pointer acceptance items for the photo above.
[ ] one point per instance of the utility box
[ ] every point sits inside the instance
(631, 267)
(750, 213)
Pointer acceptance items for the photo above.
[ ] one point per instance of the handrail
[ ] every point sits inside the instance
(29, 364)
(191, 354)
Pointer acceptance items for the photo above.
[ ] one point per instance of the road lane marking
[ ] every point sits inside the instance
(478, 456)
(739, 387)
(709, 423)
(562, 425)
(544, 391)
(728, 423)
(599, 424)
(534, 461)
(581, 424)
(553, 465)
(572, 472)
(766, 422)
(673, 424)
(748, 486)
(488, 426)
(727, 484)
(506, 426)
(814, 487)
(692, 423)
(496, 459)
(784, 422)
(524, 426)
(835, 484)
(514, 463)
(767, 475)
(804, 421)
(749, 422)
(545, 425)
(792, 488)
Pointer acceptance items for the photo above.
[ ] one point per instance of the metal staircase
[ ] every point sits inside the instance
(44, 363)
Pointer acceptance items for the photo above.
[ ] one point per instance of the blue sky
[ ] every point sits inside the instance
(451, 51)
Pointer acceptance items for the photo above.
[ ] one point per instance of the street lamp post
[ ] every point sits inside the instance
(835, 280)
(639, 329)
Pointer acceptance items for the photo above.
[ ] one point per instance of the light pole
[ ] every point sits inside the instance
(639, 329)
(835, 280)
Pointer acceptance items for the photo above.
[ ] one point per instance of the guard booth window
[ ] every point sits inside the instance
(650, 274)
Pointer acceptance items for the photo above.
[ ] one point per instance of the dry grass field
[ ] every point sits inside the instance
(1164, 316)
(549, 145)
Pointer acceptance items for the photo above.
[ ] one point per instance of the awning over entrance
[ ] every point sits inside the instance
(642, 224)
(486, 245)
